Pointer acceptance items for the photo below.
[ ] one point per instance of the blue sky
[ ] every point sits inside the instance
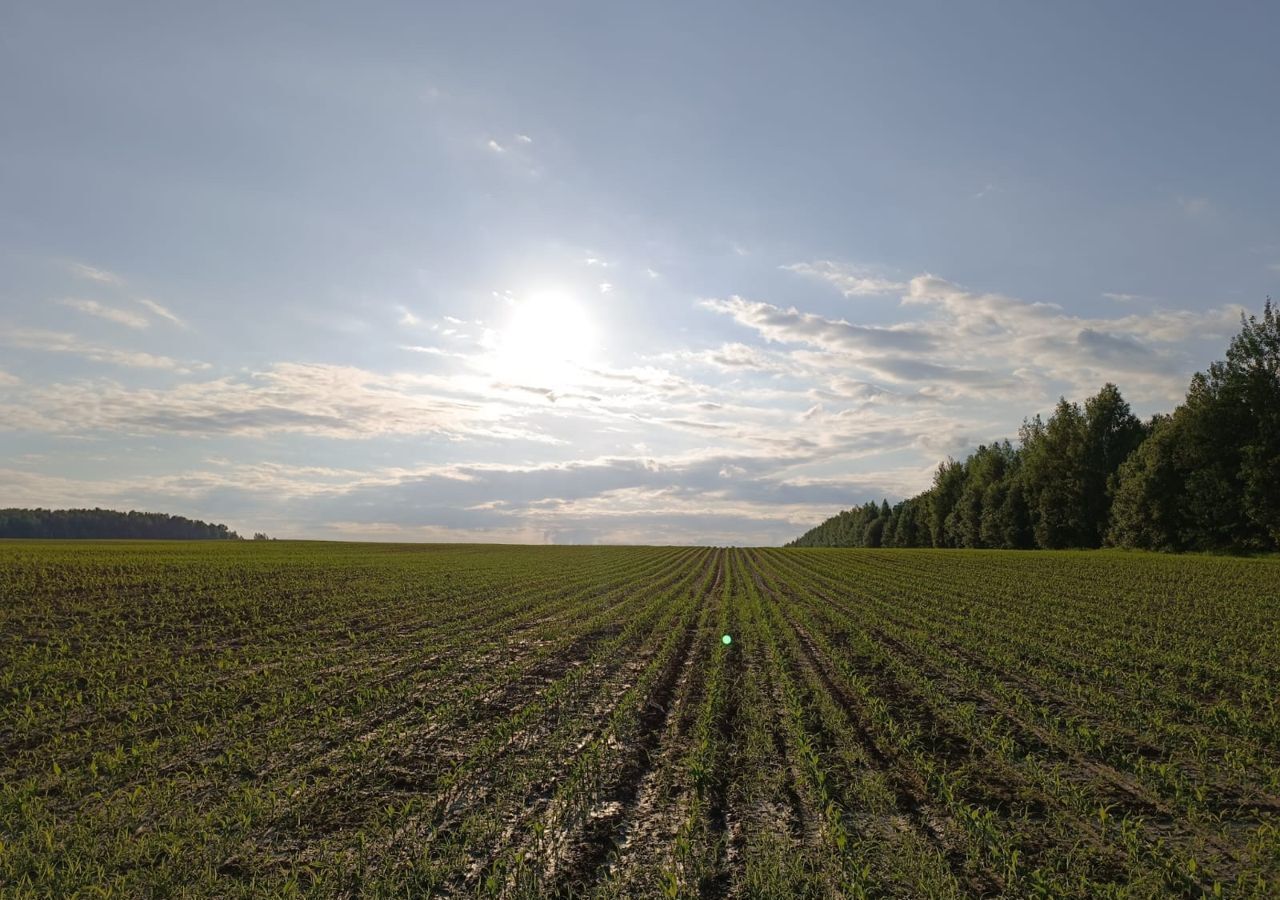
(653, 272)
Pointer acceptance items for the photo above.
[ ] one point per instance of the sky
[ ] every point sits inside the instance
(628, 273)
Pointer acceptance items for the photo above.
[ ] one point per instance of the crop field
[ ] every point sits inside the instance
(336, 719)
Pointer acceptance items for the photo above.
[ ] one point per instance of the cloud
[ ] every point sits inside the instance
(905, 369)
(672, 498)
(110, 313)
(524, 139)
(62, 342)
(7, 380)
(736, 357)
(495, 146)
(90, 273)
(792, 326)
(293, 398)
(749, 439)
(162, 311)
(850, 280)
(954, 343)
(1109, 347)
(121, 316)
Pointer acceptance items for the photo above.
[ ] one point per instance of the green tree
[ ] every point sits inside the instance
(1111, 433)
(948, 483)
(1148, 492)
(1054, 477)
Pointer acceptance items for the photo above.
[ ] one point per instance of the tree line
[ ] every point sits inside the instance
(107, 523)
(1205, 477)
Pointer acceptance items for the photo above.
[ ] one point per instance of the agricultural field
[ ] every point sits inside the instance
(338, 719)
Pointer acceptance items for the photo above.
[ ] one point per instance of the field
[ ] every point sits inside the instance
(276, 718)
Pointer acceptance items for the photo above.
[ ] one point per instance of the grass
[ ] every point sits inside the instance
(388, 720)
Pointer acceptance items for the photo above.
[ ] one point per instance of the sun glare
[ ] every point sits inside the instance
(548, 336)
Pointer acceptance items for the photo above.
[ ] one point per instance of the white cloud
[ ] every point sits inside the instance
(113, 314)
(737, 357)
(752, 439)
(161, 311)
(850, 280)
(495, 146)
(90, 273)
(313, 399)
(524, 139)
(7, 380)
(605, 287)
(955, 343)
(792, 326)
(61, 342)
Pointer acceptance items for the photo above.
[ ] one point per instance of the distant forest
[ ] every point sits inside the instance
(107, 523)
(1203, 478)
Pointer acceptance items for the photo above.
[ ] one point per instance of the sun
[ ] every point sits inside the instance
(546, 339)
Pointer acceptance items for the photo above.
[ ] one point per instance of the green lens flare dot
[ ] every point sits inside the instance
(726, 640)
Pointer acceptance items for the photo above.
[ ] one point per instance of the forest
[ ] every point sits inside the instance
(1205, 477)
(107, 524)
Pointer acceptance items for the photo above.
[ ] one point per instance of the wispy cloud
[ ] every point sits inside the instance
(953, 342)
(121, 316)
(91, 273)
(320, 400)
(162, 312)
(62, 342)
(850, 280)
(125, 317)
(792, 326)
(736, 357)
(765, 433)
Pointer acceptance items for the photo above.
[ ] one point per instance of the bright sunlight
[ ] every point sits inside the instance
(546, 339)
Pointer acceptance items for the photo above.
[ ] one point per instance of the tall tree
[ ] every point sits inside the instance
(948, 483)
(1111, 433)
(1053, 467)
(1212, 479)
